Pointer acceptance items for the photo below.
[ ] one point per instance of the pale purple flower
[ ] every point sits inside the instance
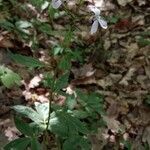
(97, 19)
(56, 3)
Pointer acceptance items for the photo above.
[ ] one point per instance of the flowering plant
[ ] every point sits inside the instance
(98, 20)
(61, 112)
(56, 3)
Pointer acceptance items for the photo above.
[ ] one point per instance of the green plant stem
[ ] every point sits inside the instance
(46, 134)
(50, 109)
(58, 143)
(69, 12)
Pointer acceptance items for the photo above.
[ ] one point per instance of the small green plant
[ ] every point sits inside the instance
(66, 126)
(70, 124)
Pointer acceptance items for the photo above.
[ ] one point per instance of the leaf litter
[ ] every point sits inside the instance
(123, 77)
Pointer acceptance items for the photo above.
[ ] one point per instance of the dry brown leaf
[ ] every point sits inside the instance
(112, 124)
(113, 110)
(109, 80)
(132, 51)
(141, 2)
(108, 93)
(105, 82)
(144, 81)
(85, 71)
(116, 106)
(144, 112)
(109, 5)
(99, 3)
(35, 81)
(12, 133)
(5, 42)
(146, 135)
(107, 44)
(138, 20)
(84, 81)
(147, 71)
(128, 76)
(123, 2)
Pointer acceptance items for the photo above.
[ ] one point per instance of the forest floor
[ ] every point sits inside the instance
(116, 64)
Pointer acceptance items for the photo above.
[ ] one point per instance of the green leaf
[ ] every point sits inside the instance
(113, 19)
(28, 112)
(37, 3)
(49, 81)
(57, 50)
(70, 102)
(65, 63)
(147, 100)
(8, 77)
(63, 124)
(3, 70)
(25, 60)
(77, 55)
(61, 82)
(76, 142)
(18, 144)
(45, 28)
(81, 114)
(6, 25)
(58, 125)
(92, 102)
(44, 5)
(145, 33)
(67, 40)
(37, 128)
(23, 127)
(23, 24)
(75, 125)
(35, 145)
(42, 110)
(128, 145)
(143, 42)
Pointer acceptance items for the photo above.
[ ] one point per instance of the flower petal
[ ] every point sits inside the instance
(95, 10)
(94, 27)
(102, 23)
(56, 3)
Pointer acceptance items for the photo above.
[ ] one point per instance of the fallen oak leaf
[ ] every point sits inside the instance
(128, 76)
(84, 81)
(85, 71)
(146, 135)
(123, 2)
(112, 124)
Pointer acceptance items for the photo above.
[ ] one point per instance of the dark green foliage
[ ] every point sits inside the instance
(58, 84)
(26, 60)
(61, 82)
(18, 144)
(92, 103)
(35, 145)
(23, 127)
(76, 142)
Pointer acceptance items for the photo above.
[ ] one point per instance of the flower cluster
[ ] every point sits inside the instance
(56, 3)
(98, 20)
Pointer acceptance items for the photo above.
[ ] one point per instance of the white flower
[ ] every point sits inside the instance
(56, 3)
(97, 19)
